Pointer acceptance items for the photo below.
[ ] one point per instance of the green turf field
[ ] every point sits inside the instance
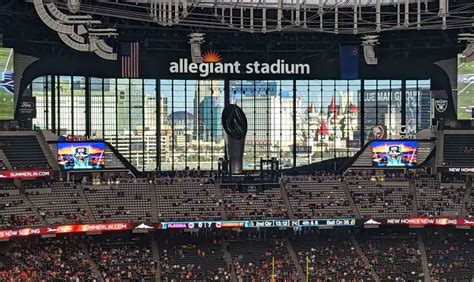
(465, 89)
(6, 72)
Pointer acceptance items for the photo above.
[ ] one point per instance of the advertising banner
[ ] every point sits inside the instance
(66, 229)
(422, 221)
(7, 174)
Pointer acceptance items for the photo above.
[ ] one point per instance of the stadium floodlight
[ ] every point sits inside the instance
(468, 53)
(196, 39)
(368, 44)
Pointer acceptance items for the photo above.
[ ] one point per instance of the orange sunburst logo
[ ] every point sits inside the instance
(211, 57)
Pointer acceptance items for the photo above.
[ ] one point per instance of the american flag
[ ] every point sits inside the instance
(129, 56)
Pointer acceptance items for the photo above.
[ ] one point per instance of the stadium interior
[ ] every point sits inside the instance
(274, 140)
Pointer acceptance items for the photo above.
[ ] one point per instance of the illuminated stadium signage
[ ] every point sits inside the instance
(394, 153)
(184, 66)
(81, 155)
(278, 223)
(271, 223)
(24, 174)
(423, 221)
(66, 229)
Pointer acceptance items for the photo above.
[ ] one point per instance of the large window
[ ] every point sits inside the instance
(176, 124)
(327, 120)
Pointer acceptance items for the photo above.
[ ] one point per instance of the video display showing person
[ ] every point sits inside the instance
(394, 153)
(81, 155)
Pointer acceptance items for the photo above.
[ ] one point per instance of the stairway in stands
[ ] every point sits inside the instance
(221, 197)
(286, 200)
(33, 209)
(294, 258)
(467, 198)
(85, 203)
(361, 253)
(414, 211)
(156, 255)
(424, 259)
(351, 200)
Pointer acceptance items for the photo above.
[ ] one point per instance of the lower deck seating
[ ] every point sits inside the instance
(394, 256)
(187, 257)
(254, 257)
(331, 257)
(123, 259)
(36, 259)
(450, 254)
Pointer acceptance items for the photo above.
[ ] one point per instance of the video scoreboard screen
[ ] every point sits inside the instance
(81, 155)
(7, 104)
(394, 153)
(465, 93)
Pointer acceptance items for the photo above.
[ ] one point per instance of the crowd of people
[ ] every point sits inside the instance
(44, 260)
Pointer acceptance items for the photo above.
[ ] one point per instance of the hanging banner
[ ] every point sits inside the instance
(24, 174)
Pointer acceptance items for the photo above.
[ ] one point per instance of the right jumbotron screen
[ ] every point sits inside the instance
(394, 153)
(465, 94)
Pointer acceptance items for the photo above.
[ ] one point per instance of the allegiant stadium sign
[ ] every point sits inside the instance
(205, 69)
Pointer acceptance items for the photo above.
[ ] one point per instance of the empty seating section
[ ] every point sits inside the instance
(394, 256)
(63, 204)
(439, 199)
(189, 200)
(23, 151)
(381, 199)
(130, 259)
(253, 257)
(318, 198)
(450, 255)
(185, 257)
(120, 202)
(331, 257)
(15, 212)
(38, 259)
(458, 150)
(252, 204)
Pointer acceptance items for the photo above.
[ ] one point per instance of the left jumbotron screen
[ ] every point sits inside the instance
(7, 93)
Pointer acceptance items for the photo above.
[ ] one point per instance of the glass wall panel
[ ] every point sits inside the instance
(41, 89)
(149, 132)
(64, 111)
(79, 105)
(166, 138)
(96, 108)
(110, 109)
(370, 109)
(176, 124)
(136, 123)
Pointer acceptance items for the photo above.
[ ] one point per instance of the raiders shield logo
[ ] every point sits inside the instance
(441, 105)
(378, 132)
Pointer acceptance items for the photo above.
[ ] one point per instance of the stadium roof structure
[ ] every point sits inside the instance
(262, 16)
